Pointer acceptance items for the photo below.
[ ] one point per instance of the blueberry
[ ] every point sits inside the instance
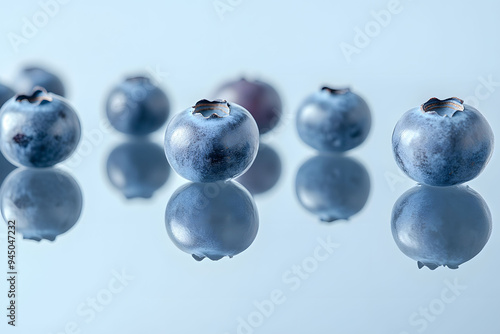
(441, 226)
(137, 107)
(38, 130)
(138, 168)
(212, 219)
(333, 120)
(5, 94)
(264, 172)
(442, 142)
(31, 77)
(211, 141)
(44, 202)
(332, 187)
(259, 98)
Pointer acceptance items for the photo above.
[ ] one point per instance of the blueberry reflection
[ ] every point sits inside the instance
(212, 220)
(137, 168)
(441, 226)
(44, 203)
(264, 173)
(332, 187)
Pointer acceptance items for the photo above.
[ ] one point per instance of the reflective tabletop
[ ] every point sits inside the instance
(114, 240)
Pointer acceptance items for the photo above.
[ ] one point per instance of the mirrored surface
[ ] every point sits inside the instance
(115, 269)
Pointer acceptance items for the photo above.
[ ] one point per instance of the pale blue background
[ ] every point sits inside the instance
(428, 49)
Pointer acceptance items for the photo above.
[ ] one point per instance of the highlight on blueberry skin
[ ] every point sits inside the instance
(137, 168)
(264, 173)
(137, 107)
(5, 94)
(333, 120)
(31, 77)
(442, 142)
(212, 220)
(441, 226)
(211, 141)
(45, 203)
(38, 130)
(258, 97)
(332, 187)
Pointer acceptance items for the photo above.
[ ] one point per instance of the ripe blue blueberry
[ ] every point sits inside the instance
(333, 120)
(259, 98)
(442, 142)
(212, 220)
(5, 94)
(138, 168)
(438, 226)
(44, 202)
(264, 173)
(211, 141)
(31, 77)
(332, 187)
(137, 107)
(38, 130)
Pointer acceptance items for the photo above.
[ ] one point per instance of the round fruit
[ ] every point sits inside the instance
(138, 168)
(31, 77)
(333, 120)
(211, 141)
(137, 107)
(259, 98)
(212, 219)
(38, 130)
(44, 202)
(332, 187)
(442, 142)
(264, 172)
(441, 226)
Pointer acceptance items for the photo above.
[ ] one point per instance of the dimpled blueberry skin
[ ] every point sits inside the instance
(40, 130)
(439, 144)
(212, 220)
(137, 107)
(259, 98)
(441, 226)
(333, 120)
(264, 173)
(5, 94)
(137, 168)
(212, 141)
(31, 77)
(44, 202)
(332, 187)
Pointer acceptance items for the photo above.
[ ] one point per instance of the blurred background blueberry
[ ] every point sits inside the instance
(137, 168)
(137, 107)
(332, 186)
(212, 220)
(5, 94)
(333, 120)
(258, 97)
(44, 202)
(441, 226)
(33, 76)
(5, 168)
(264, 172)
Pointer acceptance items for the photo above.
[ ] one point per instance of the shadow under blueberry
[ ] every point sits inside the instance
(441, 226)
(332, 186)
(212, 220)
(44, 203)
(137, 168)
(264, 173)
